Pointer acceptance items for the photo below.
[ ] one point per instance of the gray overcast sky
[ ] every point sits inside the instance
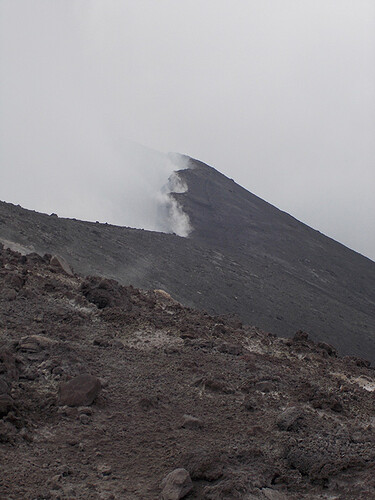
(277, 94)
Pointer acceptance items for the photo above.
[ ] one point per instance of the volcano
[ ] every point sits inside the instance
(243, 258)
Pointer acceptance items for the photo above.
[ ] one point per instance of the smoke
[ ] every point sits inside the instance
(144, 199)
(63, 147)
(280, 98)
(172, 217)
(123, 184)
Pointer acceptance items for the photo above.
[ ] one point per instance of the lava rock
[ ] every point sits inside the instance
(264, 386)
(216, 385)
(84, 419)
(177, 484)
(149, 402)
(190, 422)
(104, 470)
(35, 343)
(233, 349)
(4, 386)
(205, 464)
(106, 293)
(8, 432)
(6, 404)
(290, 419)
(15, 281)
(270, 494)
(79, 391)
(250, 403)
(301, 336)
(61, 263)
(8, 365)
(330, 350)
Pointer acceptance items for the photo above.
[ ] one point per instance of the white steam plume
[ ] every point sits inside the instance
(172, 217)
(63, 147)
(97, 179)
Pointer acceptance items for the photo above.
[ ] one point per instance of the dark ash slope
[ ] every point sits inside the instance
(244, 257)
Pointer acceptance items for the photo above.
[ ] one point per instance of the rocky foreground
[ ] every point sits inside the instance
(109, 392)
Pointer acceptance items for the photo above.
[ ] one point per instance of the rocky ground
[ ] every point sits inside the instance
(106, 390)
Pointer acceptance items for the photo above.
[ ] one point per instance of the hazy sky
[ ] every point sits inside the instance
(277, 94)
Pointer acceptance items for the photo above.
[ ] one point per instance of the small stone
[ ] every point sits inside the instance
(117, 343)
(270, 494)
(8, 294)
(301, 336)
(7, 432)
(205, 464)
(62, 264)
(6, 404)
(233, 349)
(35, 343)
(84, 419)
(69, 491)
(79, 391)
(104, 470)
(101, 342)
(25, 434)
(264, 386)
(4, 386)
(103, 382)
(190, 422)
(289, 420)
(216, 385)
(330, 350)
(336, 406)
(8, 365)
(67, 411)
(176, 485)
(250, 403)
(87, 410)
(55, 482)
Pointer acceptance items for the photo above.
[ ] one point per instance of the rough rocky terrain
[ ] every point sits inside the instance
(244, 256)
(110, 392)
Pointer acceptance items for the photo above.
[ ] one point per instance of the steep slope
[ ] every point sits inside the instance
(309, 267)
(243, 257)
(246, 414)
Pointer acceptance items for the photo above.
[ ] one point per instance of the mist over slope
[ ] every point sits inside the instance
(120, 183)
(243, 257)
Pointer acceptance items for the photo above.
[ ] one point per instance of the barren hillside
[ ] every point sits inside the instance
(245, 414)
(244, 256)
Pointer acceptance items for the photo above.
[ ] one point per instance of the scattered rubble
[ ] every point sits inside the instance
(105, 390)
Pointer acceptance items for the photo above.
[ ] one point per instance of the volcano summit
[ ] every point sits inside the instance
(242, 257)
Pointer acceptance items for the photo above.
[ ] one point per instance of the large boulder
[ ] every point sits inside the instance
(79, 391)
(177, 484)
